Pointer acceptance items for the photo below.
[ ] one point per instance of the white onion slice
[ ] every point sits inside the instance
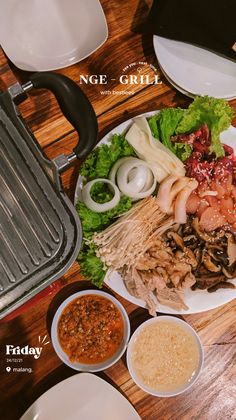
(138, 178)
(135, 188)
(100, 207)
(149, 180)
(115, 167)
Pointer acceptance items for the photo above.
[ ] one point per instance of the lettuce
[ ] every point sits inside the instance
(100, 161)
(216, 113)
(92, 221)
(91, 266)
(164, 123)
(163, 126)
(182, 151)
(154, 125)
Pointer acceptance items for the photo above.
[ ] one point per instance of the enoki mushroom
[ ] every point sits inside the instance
(128, 238)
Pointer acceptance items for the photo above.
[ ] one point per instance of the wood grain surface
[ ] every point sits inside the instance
(213, 397)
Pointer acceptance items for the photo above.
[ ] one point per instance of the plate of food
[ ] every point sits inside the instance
(157, 202)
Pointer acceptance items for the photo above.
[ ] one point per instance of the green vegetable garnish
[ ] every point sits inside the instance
(100, 192)
(154, 125)
(91, 266)
(94, 222)
(101, 160)
(183, 151)
(163, 125)
(216, 113)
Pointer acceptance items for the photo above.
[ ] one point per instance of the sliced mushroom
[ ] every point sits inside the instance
(191, 241)
(187, 228)
(221, 285)
(218, 255)
(227, 273)
(209, 264)
(231, 248)
(198, 255)
(210, 280)
(205, 236)
(190, 238)
(215, 247)
(191, 257)
(177, 238)
(187, 251)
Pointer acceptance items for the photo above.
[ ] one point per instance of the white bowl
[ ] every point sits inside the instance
(90, 367)
(44, 35)
(131, 368)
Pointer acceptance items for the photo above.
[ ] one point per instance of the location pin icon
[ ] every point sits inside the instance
(8, 369)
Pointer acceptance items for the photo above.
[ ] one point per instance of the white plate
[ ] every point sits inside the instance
(196, 70)
(81, 397)
(198, 300)
(47, 35)
(184, 92)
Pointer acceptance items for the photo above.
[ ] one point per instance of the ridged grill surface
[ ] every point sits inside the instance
(37, 231)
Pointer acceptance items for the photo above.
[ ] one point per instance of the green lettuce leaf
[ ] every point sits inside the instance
(216, 113)
(91, 267)
(100, 161)
(154, 125)
(168, 121)
(94, 222)
(163, 126)
(100, 192)
(182, 150)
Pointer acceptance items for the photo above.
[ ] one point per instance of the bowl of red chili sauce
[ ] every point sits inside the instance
(90, 331)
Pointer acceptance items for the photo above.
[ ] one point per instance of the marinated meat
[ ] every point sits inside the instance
(172, 298)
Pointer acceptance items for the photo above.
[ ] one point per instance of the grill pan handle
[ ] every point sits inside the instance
(75, 106)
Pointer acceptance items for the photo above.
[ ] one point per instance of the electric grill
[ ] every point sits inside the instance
(40, 231)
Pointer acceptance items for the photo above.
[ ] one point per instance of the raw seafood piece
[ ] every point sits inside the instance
(173, 195)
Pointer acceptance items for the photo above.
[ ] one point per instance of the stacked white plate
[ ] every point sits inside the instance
(195, 71)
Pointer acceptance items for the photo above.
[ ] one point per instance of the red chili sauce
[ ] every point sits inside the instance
(90, 329)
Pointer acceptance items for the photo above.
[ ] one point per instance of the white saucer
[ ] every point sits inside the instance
(194, 70)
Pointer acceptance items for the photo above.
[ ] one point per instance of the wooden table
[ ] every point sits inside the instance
(214, 394)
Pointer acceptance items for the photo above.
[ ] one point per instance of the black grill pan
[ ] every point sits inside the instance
(40, 232)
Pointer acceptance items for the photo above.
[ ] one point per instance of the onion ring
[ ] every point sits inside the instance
(100, 207)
